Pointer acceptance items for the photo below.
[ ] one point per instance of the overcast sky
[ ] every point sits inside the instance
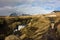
(28, 6)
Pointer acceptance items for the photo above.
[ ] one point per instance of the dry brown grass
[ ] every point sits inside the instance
(35, 29)
(12, 37)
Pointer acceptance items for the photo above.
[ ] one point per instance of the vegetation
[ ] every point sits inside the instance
(36, 27)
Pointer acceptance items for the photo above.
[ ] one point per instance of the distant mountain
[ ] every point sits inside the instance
(19, 14)
(25, 14)
(57, 13)
(13, 14)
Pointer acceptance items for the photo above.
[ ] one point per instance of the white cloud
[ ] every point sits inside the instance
(28, 9)
(28, 6)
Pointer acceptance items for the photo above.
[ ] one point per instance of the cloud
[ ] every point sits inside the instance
(4, 11)
(21, 2)
(14, 2)
(29, 9)
(48, 3)
(28, 6)
(26, 9)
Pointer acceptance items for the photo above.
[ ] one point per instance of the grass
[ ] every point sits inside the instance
(36, 26)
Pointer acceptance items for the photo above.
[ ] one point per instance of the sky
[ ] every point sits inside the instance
(28, 6)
